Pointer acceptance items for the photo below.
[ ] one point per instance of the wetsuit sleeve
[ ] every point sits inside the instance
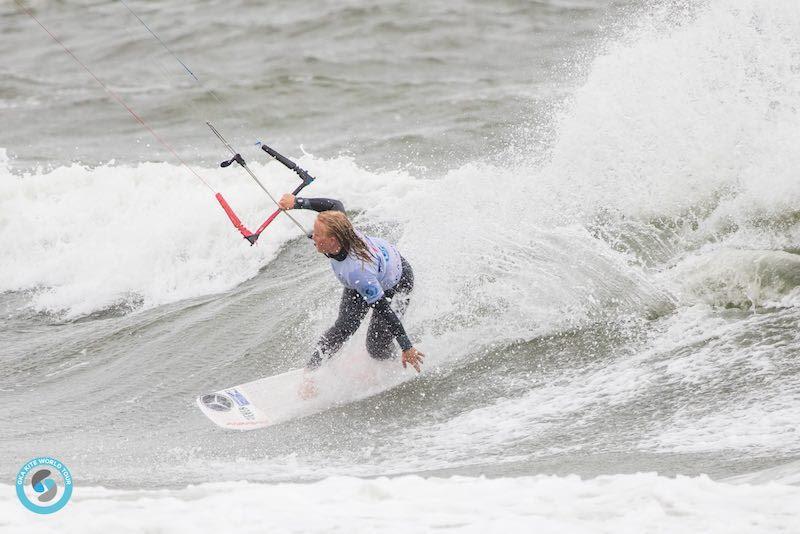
(318, 204)
(382, 307)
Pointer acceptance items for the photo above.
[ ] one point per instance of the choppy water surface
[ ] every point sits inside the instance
(599, 200)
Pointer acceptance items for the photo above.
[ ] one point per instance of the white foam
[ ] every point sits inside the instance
(684, 106)
(86, 239)
(496, 265)
(756, 426)
(637, 503)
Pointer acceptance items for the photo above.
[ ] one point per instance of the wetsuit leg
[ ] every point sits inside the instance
(380, 339)
(352, 310)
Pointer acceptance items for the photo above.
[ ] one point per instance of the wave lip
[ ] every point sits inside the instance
(740, 278)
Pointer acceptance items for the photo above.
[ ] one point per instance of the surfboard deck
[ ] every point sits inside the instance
(299, 393)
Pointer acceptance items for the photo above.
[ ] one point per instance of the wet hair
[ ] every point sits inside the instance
(340, 227)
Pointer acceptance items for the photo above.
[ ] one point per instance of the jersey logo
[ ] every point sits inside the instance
(370, 291)
(385, 263)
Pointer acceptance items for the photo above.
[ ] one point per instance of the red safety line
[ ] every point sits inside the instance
(232, 216)
(268, 221)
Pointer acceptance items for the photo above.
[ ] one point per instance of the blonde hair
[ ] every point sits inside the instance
(340, 227)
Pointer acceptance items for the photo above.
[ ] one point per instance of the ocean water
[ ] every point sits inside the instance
(600, 201)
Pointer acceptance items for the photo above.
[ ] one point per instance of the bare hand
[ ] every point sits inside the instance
(414, 357)
(287, 201)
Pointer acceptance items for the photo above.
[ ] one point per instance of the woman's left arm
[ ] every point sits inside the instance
(410, 354)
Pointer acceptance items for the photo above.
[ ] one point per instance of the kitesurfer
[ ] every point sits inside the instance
(374, 275)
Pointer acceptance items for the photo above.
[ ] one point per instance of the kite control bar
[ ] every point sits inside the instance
(306, 178)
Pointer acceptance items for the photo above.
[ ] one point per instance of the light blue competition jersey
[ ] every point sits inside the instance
(370, 279)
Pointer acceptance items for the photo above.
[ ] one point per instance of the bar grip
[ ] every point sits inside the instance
(302, 173)
(283, 159)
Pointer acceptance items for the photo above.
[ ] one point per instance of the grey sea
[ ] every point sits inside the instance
(600, 200)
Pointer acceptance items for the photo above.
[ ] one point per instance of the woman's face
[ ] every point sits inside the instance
(324, 241)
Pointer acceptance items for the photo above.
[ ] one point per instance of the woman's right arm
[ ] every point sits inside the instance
(289, 201)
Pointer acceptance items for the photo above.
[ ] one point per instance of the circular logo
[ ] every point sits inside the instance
(44, 485)
(217, 402)
(371, 291)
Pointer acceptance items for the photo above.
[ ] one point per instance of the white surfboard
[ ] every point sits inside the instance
(298, 393)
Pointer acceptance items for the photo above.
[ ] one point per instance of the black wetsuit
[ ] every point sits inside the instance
(385, 324)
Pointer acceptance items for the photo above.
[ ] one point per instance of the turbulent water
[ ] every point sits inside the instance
(600, 201)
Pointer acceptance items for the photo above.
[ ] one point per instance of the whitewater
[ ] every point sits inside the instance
(600, 201)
